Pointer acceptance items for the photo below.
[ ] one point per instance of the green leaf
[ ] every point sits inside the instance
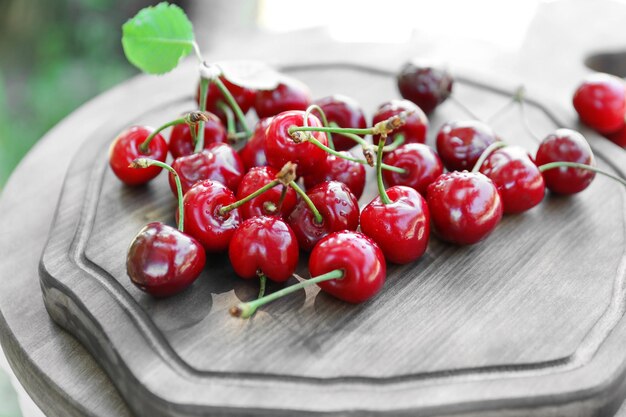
(157, 38)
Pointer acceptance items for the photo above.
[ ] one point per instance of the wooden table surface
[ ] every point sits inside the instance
(56, 370)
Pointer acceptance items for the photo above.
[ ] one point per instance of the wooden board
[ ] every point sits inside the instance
(529, 322)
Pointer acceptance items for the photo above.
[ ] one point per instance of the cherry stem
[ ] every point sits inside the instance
(330, 129)
(488, 151)
(230, 117)
(559, 164)
(245, 310)
(145, 163)
(233, 105)
(379, 171)
(144, 147)
(463, 107)
(262, 282)
(204, 90)
(329, 135)
(283, 194)
(517, 97)
(249, 197)
(398, 141)
(318, 217)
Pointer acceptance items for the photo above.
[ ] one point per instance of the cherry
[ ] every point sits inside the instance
(566, 145)
(465, 207)
(264, 245)
(401, 228)
(601, 102)
(280, 147)
(344, 112)
(334, 168)
(460, 144)
(253, 152)
(290, 94)
(255, 179)
(243, 96)
(424, 85)
(203, 219)
(337, 206)
(163, 261)
(127, 147)
(517, 178)
(182, 143)
(414, 128)
(619, 137)
(421, 164)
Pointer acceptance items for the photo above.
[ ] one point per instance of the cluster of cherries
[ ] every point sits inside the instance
(251, 203)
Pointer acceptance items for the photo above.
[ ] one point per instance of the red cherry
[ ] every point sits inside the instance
(345, 112)
(465, 207)
(336, 204)
(253, 152)
(255, 179)
(163, 261)
(280, 148)
(415, 127)
(264, 244)
(601, 102)
(460, 144)
(619, 137)
(290, 94)
(334, 168)
(203, 220)
(360, 259)
(125, 149)
(517, 178)
(181, 142)
(422, 165)
(402, 228)
(424, 85)
(243, 96)
(568, 146)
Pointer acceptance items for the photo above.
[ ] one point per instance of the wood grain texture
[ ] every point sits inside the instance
(529, 321)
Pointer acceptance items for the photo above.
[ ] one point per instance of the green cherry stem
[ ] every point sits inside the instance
(379, 171)
(233, 105)
(329, 129)
(329, 135)
(398, 141)
(318, 217)
(245, 310)
(204, 90)
(230, 117)
(262, 283)
(559, 164)
(147, 162)
(249, 197)
(488, 151)
(143, 148)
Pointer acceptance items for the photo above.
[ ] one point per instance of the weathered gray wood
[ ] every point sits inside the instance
(529, 321)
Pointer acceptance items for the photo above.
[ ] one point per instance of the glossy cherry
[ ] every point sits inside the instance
(401, 228)
(163, 261)
(243, 96)
(336, 204)
(421, 163)
(569, 146)
(181, 142)
(253, 152)
(601, 102)
(465, 207)
(203, 220)
(517, 178)
(344, 112)
(261, 205)
(280, 147)
(425, 85)
(334, 168)
(126, 148)
(460, 144)
(266, 245)
(290, 94)
(415, 126)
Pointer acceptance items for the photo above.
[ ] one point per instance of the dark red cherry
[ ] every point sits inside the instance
(424, 85)
(163, 261)
(243, 96)
(336, 204)
(601, 102)
(290, 94)
(361, 260)
(460, 144)
(264, 244)
(569, 146)
(344, 112)
(253, 152)
(125, 149)
(280, 147)
(261, 205)
(203, 220)
(465, 207)
(401, 228)
(334, 168)
(422, 165)
(415, 127)
(181, 142)
(517, 178)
